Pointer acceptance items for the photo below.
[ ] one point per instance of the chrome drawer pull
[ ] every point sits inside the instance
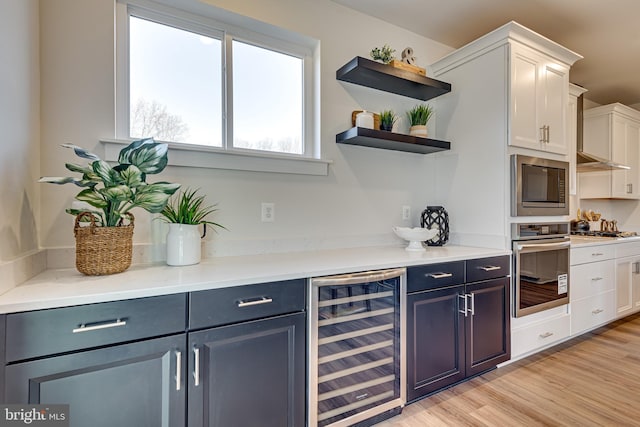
(95, 326)
(466, 305)
(196, 367)
(249, 303)
(490, 268)
(473, 304)
(440, 275)
(597, 311)
(595, 279)
(546, 335)
(178, 370)
(597, 254)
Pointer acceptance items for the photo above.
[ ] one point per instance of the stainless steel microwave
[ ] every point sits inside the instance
(539, 186)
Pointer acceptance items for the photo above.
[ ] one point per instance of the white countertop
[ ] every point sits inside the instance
(66, 287)
(578, 241)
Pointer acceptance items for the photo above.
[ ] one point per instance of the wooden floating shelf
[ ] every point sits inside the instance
(364, 72)
(391, 141)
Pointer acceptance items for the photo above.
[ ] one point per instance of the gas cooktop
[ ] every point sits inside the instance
(594, 233)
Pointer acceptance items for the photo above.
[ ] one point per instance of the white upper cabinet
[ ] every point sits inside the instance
(539, 96)
(612, 132)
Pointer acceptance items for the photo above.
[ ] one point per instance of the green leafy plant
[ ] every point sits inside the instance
(384, 54)
(420, 114)
(114, 191)
(188, 208)
(387, 119)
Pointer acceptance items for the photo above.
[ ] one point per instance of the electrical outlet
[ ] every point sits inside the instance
(406, 212)
(268, 212)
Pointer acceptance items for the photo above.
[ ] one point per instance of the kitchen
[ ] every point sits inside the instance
(58, 98)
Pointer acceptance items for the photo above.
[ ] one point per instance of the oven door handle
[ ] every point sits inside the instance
(536, 247)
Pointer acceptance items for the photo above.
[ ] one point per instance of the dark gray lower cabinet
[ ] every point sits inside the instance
(133, 384)
(249, 374)
(456, 330)
(435, 341)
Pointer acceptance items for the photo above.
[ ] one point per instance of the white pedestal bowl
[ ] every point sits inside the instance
(415, 236)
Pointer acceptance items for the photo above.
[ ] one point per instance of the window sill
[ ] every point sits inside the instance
(212, 158)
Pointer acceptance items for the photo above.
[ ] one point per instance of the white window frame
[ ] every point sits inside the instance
(209, 20)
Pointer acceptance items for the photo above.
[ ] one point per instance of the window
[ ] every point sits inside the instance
(199, 82)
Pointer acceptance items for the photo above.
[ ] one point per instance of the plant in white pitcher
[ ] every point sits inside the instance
(184, 214)
(418, 118)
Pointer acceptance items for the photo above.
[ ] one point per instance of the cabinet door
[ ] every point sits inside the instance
(125, 385)
(524, 99)
(435, 341)
(488, 329)
(554, 87)
(627, 286)
(249, 374)
(539, 95)
(625, 149)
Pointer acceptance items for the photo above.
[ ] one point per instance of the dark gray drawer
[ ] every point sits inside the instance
(43, 332)
(239, 303)
(435, 276)
(488, 268)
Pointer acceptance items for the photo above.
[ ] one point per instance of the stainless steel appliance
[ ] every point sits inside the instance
(539, 186)
(356, 348)
(541, 266)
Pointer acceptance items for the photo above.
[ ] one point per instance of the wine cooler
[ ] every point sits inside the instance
(356, 348)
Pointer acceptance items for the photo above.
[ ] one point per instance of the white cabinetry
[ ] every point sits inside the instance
(592, 287)
(572, 134)
(612, 132)
(539, 99)
(496, 106)
(627, 278)
(542, 330)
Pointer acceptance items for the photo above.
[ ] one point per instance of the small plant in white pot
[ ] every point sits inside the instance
(184, 214)
(418, 118)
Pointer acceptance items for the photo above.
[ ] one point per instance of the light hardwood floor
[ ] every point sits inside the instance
(592, 380)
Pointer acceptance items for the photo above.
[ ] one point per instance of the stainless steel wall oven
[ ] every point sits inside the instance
(541, 266)
(356, 348)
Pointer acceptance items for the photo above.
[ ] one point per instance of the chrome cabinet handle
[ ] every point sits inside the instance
(542, 134)
(440, 275)
(597, 311)
(490, 268)
(548, 134)
(178, 370)
(466, 306)
(596, 279)
(87, 327)
(257, 301)
(196, 366)
(629, 188)
(636, 268)
(597, 254)
(546, 335)
(473, 304)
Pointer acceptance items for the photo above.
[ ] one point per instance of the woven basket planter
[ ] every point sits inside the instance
(103, 250)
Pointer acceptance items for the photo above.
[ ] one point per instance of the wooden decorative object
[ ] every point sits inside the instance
(408, 67)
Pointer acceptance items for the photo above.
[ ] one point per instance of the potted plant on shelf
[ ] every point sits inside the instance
(387, 119)
(184, 214)
(418, 118)
(105, 246)
(384, 54)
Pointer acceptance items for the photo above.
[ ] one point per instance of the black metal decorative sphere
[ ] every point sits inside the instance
(438, 216)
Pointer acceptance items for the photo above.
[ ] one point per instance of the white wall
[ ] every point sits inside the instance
(19, 121)
(357, 204)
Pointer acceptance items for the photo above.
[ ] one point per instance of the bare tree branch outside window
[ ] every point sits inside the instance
(151, 119)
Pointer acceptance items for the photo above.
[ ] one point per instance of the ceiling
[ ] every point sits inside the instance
(606, 33)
